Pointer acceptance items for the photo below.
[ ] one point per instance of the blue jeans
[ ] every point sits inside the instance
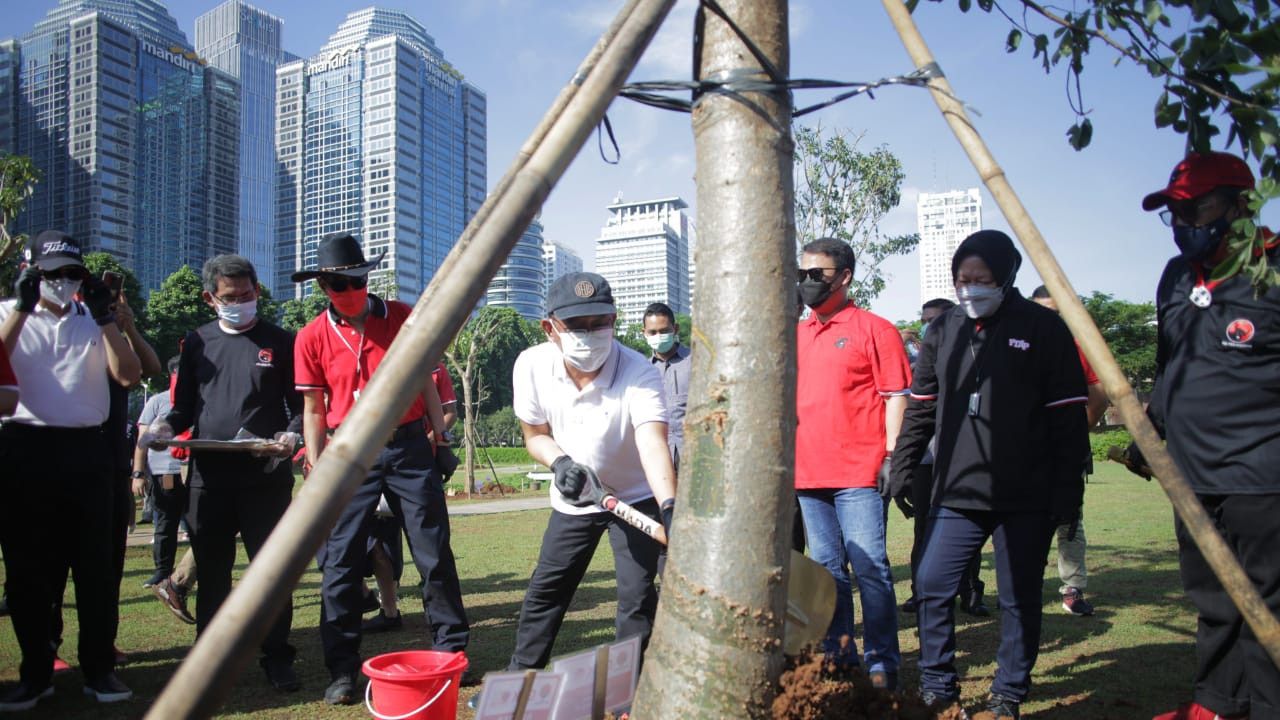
(845, 528)
(1021, 541)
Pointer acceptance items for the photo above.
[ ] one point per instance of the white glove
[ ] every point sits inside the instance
(157, 431)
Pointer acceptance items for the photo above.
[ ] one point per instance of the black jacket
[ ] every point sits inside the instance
(1217, 392)
(1022, 444)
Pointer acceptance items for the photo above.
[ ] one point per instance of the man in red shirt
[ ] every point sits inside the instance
(336, 353)
(852, 379)
(1072, 570)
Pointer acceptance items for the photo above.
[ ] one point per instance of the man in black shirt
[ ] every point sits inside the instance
(236, 374)
(1000, 387)
(1216, 401)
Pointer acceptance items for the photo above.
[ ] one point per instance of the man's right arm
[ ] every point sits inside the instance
(314, 429)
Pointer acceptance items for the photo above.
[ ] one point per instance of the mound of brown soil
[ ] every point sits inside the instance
(814, 690)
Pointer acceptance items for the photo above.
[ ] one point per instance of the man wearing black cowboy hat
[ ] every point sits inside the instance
(336, 354)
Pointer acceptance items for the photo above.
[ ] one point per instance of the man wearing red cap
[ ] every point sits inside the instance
(1215, 402)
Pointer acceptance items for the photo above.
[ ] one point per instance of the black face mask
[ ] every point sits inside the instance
(814, 292)
(1198, 243)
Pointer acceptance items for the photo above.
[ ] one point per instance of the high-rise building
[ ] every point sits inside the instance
(379, 136)
(245, 42)
(520, 283)
(135, 137)
(558, 260)
(643, 251)
(943, 220)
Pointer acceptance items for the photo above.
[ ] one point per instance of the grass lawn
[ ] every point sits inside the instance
(1132, 659)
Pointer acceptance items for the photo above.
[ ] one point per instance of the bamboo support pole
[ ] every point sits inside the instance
(207, 674)
(1185, 503)
(716, 649)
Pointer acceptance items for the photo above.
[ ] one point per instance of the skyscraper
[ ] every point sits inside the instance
(520, 283)
(558, 260)
(245, 42)
(943, 220)
(379, 136)
(643, 251)
(136, 139)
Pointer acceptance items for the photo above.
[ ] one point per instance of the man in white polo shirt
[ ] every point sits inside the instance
(57, 462)
(588, 405)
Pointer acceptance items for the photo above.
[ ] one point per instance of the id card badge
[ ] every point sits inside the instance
(975, 403)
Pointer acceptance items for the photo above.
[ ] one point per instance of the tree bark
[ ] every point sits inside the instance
(716, 647)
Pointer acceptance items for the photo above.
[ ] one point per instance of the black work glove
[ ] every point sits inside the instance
(446, 462)
(100, 300)
(665, 513)
(884, 479)
(572, 479)
(27, 289)
(904, 504)
(1136, 462)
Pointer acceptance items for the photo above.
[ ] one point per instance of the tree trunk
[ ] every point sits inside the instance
(716, 647)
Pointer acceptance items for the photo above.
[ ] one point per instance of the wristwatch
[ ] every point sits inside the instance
(138, 475)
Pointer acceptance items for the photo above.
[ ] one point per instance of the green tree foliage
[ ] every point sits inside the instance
(843, 192)
(499, 427)
(1216, 64)
(101, 262)
(1130, 331)
(505, 338)
(18, 178)
(295, 314)
(268, 308)
(175, 309)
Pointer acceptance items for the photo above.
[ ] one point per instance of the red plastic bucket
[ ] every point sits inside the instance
(414, 685)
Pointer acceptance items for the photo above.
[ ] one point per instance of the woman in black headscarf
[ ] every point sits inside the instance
(1000, 384)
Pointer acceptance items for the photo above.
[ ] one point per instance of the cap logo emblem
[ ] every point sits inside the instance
(584, 289)
(59, 246)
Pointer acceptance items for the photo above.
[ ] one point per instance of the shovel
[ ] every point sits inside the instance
(811, 591)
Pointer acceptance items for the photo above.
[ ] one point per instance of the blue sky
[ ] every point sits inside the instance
(521, 52)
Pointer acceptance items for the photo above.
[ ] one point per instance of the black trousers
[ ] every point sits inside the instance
(169, 505)
(921, 500)
(567, 547)
(404, 473)
(222, 505)
(1021, 541)
(56, 483)
(1234, 674)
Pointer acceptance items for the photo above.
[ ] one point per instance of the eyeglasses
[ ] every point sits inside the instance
(340, 283)
(816, 274)
(1190, 211)
(65, 273)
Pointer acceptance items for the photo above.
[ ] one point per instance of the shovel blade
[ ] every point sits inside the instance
(811, 602)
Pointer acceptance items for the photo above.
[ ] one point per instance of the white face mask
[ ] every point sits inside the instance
(979, 301)
(60, 292)
(586, 350)
(662, 342)
(237, 314)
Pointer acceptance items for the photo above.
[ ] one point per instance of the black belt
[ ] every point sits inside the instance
(409, 429)
(18, 428)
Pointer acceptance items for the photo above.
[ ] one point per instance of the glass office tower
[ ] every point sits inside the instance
(377, 136)
(135, 137)
(245, 42)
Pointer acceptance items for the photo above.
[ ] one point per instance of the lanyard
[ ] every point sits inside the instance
(358, 351)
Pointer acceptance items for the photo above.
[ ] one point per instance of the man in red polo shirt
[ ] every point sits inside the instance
(852, 378)
(336, 353)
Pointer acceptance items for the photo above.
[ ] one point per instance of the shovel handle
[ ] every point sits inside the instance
(634, 518)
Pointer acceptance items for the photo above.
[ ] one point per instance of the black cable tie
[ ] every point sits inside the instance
(608, 126)
(770, 69)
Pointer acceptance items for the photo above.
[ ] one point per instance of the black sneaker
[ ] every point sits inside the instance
(1000, 707)
(156, 578)
(974, 605)
(342, 691)
(911, 606)
(1073, 602)
(369, 603)
(107, 689)
(280, 674)
(939, 702)
(23, 697)
(382, 623)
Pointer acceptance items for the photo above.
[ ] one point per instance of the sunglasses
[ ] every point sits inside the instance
(65, 273)
(816, 274)
(340, 283)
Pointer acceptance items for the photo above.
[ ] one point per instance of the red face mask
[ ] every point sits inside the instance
(350, 302)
